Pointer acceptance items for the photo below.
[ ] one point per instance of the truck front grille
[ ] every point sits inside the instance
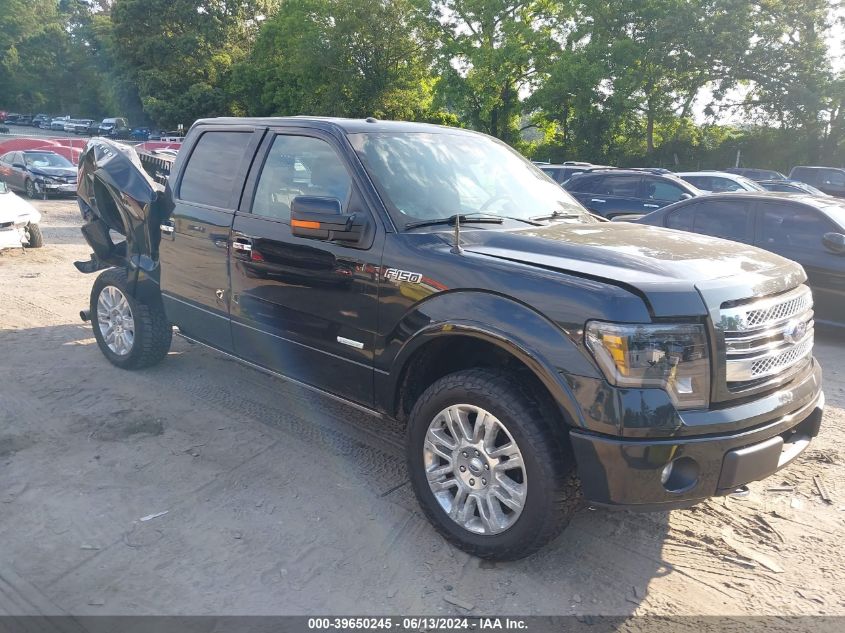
(767, 340)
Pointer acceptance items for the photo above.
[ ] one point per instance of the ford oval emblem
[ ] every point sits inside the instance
(795, 332)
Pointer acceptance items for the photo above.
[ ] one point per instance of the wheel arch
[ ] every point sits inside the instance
(512, 335)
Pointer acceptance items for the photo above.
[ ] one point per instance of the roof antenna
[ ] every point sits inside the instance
(457, 247)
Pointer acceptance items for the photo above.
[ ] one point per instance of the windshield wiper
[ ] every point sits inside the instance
(462, 217)
(475, 218)
(555, 215)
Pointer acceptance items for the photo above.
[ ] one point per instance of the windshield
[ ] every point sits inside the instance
(46, 160)
(3, 188)
(428, 176)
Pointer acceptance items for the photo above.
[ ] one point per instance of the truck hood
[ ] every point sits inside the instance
(671, 269)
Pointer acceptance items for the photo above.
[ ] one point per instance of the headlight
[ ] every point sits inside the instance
(670, 357)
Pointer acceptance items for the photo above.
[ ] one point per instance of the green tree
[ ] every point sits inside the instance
(489, 54)
(341, 58)
(179, 55)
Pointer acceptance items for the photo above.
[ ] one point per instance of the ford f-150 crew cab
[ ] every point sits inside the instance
(538, 355)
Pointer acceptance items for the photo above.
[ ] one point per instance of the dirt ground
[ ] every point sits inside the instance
(204, 487)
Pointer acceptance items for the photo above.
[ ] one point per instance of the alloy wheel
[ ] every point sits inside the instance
(115, 320)
(475, 469)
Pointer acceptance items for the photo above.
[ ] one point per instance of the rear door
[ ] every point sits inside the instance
(795, 231)
(610, 195)
(195, 237)
(305, 308)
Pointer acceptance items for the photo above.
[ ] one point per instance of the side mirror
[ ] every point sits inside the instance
(319, 218)
(834, 242)
(18, 165)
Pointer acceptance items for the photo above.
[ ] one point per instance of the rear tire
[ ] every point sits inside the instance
(130, 332)
(530, 490)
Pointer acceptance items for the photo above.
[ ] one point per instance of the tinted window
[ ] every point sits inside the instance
(792, 225)
(213, 167)
(552, 172)
(805, 175)
(682, 218)
(659, 189)
(584, 184)
(833, 177)
(722, 218)
(299, 166)
(6, 158)
(621, 186)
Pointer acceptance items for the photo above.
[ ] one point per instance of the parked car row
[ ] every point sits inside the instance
(112, 127)
(611, 192)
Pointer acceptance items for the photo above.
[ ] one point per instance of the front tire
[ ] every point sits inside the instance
(29, 187)
(130, 332)
(33, 235)
(490, 466)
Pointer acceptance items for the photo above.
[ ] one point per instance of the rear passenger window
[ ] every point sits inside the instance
(299, 166)
(620, 186)
(722, 218)
(212, 168)
(792, 225)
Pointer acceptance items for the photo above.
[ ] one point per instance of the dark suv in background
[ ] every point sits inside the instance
(564, 171)
(610, 193)
(831, 180)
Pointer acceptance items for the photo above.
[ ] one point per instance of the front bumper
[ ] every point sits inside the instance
(55, 188)
(626, 473)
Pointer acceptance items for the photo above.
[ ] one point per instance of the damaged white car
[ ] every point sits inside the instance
(18, 221)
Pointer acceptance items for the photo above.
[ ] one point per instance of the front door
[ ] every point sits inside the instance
(303, 307)
(195, 237)
(795, 231)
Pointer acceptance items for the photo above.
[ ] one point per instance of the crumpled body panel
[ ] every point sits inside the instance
(116, 194)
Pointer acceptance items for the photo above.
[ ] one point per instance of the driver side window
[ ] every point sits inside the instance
(299, 166)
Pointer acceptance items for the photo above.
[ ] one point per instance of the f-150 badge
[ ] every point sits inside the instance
(395, 274)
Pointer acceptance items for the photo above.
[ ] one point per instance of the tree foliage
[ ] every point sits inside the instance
(628, 82)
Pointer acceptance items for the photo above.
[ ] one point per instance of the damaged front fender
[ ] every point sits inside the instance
(116, 196)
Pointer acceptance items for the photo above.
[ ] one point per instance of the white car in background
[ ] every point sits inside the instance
(18, 221)
(719, 181)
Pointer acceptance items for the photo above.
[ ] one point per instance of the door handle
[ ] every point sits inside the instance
(652, 206)
(598, 200)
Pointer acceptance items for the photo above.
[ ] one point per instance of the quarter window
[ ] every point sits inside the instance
(213, 167)
(299, 166)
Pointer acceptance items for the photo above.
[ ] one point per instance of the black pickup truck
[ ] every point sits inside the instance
(538, 355)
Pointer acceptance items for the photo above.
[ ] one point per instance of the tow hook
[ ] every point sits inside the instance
(85, 315)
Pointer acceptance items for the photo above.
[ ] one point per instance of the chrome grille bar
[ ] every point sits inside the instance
(767, 340)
